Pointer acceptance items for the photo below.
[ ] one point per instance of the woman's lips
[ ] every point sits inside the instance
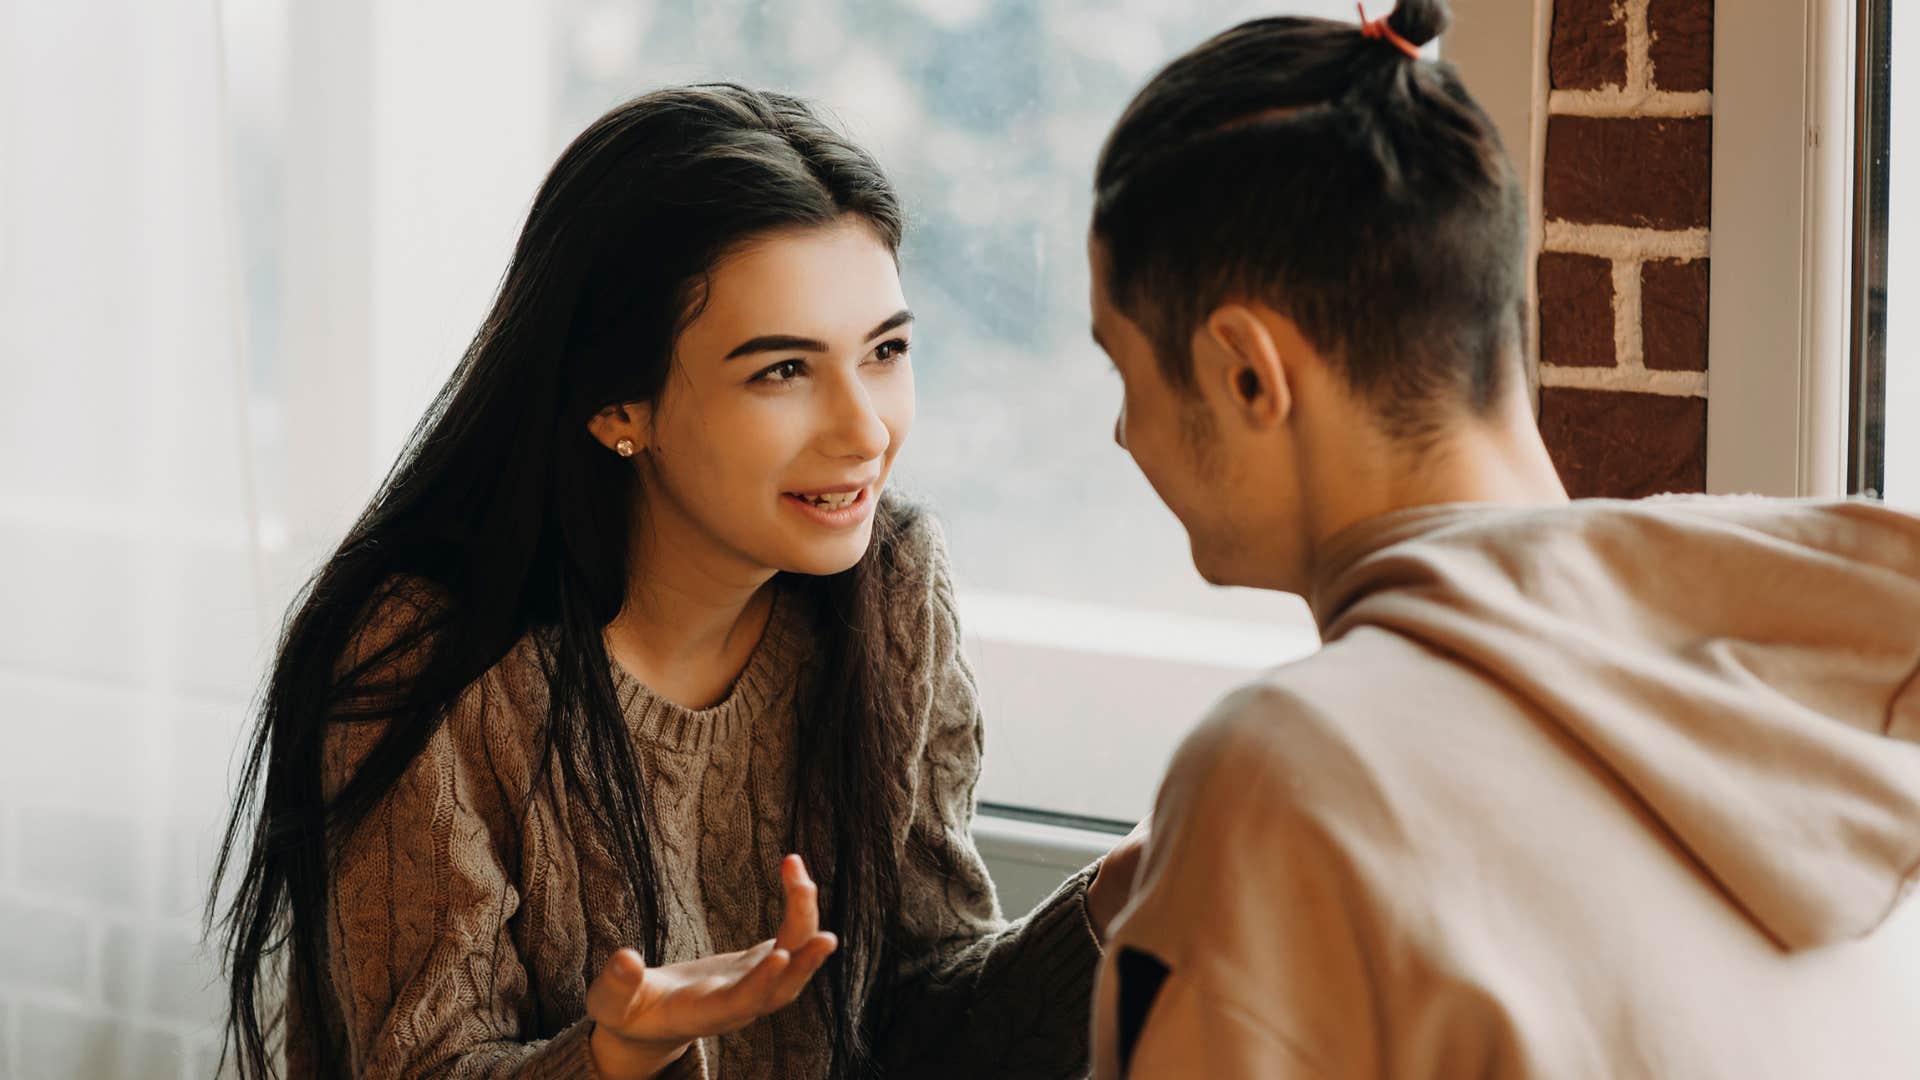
(832, 507)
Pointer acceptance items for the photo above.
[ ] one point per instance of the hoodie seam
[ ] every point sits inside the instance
(1900, 895)
(1899, 691)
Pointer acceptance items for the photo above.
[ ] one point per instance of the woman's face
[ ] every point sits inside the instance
(789, 397)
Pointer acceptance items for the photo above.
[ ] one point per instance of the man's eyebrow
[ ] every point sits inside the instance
(790, 343)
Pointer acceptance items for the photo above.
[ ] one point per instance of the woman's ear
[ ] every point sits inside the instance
(1247, 367)
(622, 428)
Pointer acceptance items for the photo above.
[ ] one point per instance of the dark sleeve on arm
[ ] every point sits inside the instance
(974, 995)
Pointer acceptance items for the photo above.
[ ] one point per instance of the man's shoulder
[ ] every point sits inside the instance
(1326, 735)
(1347, 686)
(1279, 792)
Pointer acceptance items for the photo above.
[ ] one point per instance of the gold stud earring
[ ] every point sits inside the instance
(624, 448)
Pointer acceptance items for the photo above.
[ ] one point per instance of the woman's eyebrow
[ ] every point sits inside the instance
(790, 343)
(894, 322)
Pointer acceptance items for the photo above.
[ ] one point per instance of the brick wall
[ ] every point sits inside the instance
(1623, 268)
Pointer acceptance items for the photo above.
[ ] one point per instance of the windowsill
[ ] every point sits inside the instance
(1038, 844)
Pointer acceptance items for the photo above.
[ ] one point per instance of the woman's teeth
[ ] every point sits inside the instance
(837, 501)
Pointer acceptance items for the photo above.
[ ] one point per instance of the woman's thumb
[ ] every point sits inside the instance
(627, 966)
(617, 985)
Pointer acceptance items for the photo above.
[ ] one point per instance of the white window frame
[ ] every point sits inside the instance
(1779, 331)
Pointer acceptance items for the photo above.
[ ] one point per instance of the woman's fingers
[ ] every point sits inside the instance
(801, 921)
(805, 963)
(702, 997)
(747, 998)
(719, 993)
(611, 997)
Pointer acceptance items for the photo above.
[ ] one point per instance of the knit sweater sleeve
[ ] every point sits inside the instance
(420, 961)
(975, 995)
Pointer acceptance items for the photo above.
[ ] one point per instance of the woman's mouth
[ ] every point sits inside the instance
(839, 500)
(836, 508)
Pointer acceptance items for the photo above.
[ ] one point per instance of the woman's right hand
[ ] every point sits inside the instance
(645, 1018)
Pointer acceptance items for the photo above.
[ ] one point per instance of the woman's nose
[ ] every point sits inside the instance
(857, 430)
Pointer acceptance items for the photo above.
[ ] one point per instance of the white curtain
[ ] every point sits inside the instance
(133, 584)
(241, 241)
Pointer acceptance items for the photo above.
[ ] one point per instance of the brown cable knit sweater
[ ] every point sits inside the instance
(462, 945)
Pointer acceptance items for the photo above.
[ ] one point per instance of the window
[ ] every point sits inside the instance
(1884, 428)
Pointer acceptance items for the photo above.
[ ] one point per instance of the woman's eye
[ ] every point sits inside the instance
(891, 351)
(784, 371)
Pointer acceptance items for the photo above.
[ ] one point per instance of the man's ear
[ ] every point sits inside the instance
(631, 422)
(1239, 361)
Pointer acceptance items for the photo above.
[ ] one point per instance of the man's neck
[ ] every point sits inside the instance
(1499, 460)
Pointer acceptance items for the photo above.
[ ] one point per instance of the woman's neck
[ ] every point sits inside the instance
(693, 615)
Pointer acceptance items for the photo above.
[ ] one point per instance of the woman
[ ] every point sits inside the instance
(633, 618)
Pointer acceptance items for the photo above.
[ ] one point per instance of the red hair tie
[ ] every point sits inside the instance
(1380, 31)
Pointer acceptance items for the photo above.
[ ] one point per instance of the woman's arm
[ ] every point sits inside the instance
(430, 982)
(974, 994)
(421, 962)
(420, 959)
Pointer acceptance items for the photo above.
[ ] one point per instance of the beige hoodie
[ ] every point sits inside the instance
(1602, 790)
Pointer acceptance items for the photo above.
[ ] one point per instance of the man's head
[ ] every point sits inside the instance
(1308, 254)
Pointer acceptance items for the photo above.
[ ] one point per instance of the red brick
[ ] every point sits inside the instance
(1588, 49)
(1623, 445)
(1682, 49)
(1576, 310)
(1654, 174)
(1673, 314)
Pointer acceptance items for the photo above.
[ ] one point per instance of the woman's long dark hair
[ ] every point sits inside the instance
(511, 518)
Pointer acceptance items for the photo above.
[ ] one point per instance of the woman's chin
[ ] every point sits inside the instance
(827, 558)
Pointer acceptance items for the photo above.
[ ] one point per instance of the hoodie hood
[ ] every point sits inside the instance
(1745, 666)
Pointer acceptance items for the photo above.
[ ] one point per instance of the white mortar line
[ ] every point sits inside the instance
(1626, 242)
(1625, 103)
(1639, 47)
(1664, 383)
(1629, 346)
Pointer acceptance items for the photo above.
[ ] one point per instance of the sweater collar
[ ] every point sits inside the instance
(769, 675)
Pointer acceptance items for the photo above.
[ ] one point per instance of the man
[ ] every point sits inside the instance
(1594, 789)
